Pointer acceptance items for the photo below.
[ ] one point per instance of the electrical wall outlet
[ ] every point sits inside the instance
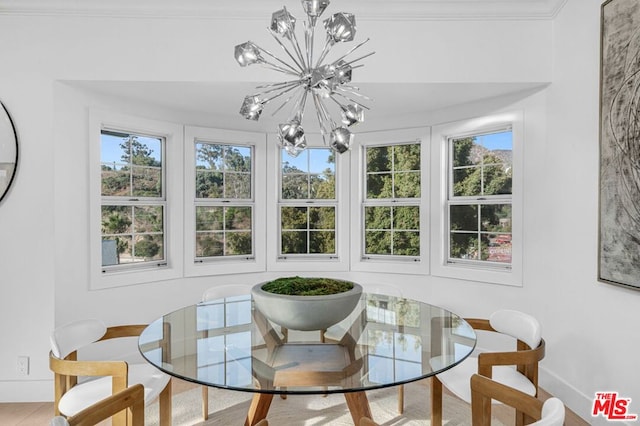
(23, 365)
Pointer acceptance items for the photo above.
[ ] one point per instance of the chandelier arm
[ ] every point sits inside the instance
(309, 35)
(321, 120)
(327, 47)
(348, 90)
(351, 51)
(296, 48)
(290, 86)
(286, 50)
(360, 58)
(325, 113)
(275, 67)
(282, 83)
(277, 95)
(299, 106)
(353, 101)
(286, 101)
(271, 55)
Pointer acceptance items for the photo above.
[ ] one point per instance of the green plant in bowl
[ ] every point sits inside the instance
(302, 286)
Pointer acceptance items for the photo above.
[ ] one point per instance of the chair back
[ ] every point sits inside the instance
(70, 337)
(484, 390)
(518, 325)
(222, 291)
(131, 398)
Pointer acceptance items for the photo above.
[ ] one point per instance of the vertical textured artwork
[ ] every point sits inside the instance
(619, 250)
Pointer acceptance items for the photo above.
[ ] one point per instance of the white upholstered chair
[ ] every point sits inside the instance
(100, 379)
(484, 390)
(131, 399)
(516, 368)
(212, 294)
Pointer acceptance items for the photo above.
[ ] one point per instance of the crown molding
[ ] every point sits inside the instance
(258, 9)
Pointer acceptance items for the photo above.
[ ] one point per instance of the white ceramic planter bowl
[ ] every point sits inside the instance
(306, 313)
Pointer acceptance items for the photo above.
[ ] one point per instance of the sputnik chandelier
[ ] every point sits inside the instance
(312, 79)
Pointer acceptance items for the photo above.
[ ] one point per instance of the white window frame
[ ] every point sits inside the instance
(231, 264)
(392, 264)
(307, 263)
(475, 271)
(172, 266)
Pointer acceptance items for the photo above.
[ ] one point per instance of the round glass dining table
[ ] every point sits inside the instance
(229, 344)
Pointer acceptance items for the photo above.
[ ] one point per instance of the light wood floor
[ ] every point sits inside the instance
(40, 413)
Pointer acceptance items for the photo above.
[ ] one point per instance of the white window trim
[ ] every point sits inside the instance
(439, 219)
(222, 265)
(307, 264)
(393, 264)
(173, 134)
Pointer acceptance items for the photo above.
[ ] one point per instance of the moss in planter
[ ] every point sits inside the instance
(301, 286)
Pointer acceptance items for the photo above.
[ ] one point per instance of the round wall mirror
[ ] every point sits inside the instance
(8, 151)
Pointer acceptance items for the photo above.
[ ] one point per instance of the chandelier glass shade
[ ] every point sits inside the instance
(325, 83)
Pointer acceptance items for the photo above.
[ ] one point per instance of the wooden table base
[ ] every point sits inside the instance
(356, 401)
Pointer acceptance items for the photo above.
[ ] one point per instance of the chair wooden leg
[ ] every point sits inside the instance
(436, 402)
(400, 399)
(165, 405)
(205, 402)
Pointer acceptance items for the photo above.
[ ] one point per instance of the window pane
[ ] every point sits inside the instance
(293, 217)
(467, 182)
(393, 171)
(237, 159)
(377, 217)
(209, 184)
(406, 243)
(209, 218)
(407, 185)
(116, 180)
(322, 218)
(379, 186)
(147, 181)
(131, 165)
(497, 179)
(295, 187)
(116, 220)
(238, 243)
(464, 152)
(322, 242)
(238, 218)
(323, 186)
(406, 217)
(464, 246)
(321, 161)
(233, 234)
(496, 217)
(148, 247)
(209, 244)
(379, 159)
(497, 248)
(377, 242)
(294, 242)
(223, 171)
(463, 217)
(147, 219)
(238, 185)
(406, 157)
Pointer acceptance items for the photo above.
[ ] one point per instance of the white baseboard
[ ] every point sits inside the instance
(26, 390)
(572, 398)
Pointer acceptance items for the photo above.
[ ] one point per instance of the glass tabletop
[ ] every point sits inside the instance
(385, 341)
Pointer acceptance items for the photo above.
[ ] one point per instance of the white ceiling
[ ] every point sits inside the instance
(217, 104)
(365, 9)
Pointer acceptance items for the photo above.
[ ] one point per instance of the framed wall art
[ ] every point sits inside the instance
(619, 216)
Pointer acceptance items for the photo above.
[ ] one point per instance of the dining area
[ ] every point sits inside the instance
(381, 344)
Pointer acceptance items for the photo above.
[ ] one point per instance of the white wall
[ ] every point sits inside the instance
(44, 225)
